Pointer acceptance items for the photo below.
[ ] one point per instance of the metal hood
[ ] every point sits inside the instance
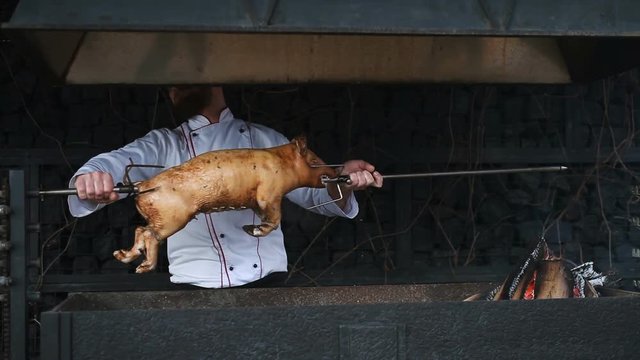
(304, 41)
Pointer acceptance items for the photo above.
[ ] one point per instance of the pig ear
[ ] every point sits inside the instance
(301, 144)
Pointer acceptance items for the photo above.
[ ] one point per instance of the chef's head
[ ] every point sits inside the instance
(190, 100)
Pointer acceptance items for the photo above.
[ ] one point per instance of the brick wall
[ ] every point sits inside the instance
(439, 229)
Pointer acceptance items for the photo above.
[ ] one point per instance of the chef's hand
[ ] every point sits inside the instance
(362, 175)
(96, 186)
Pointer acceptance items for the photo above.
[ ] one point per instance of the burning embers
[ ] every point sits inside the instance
(545, 276)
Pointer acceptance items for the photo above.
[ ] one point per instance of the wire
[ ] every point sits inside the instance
(44, 243)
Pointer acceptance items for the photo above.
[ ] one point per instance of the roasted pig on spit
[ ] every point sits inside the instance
(221, 180)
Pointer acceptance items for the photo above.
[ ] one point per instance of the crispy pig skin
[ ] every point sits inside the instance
(221, 180)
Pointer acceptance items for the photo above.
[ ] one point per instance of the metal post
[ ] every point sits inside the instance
(18, 266)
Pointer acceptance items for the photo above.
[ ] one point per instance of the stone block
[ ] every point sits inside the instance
(85, 115)
(591, 114)
(122, 213)
(78, 136)
(80, 245)
(421, 238)
(323, 120)
(364, 257)
(518, 197)
(314, 259)
(371, 97)
(104, 245)
(536, 107)
(560, 233)
(513, 108)
(406, 98)
(461, 101)
(529, 231)
(51, 209)
(327, 146)
(120, 94)
(137, 114)
(46, 139)
(108, 135)
(163, 118)
(526, 181)
(92, 223)
(94, 92)
(420, 190)
(617, 115)
(341, 259)
(504, 233)
(311, 223)
(453, 229)
(85, 264)
(342, 236)
(20, 140)
(492, 210)
(135, 131)
(70, 95)
(146, 95)
(322, 95)
(295, 241)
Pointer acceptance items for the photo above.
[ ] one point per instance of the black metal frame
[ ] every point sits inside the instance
(18, 265)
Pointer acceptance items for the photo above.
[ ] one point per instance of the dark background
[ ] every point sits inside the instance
(422, 230)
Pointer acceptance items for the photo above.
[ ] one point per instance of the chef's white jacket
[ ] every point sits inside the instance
(212, 250)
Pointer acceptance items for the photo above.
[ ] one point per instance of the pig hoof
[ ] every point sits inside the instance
(144, 267)
(253, 230)
(124, 256)
(121, 255)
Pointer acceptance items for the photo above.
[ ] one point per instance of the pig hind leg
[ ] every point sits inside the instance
(147, 242)
(269, 213)
(127, 256)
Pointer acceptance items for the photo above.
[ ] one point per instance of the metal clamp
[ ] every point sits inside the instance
(5, 246)
(4, 210)
(337, 180)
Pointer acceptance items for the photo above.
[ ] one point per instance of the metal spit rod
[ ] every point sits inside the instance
(477, 172)
(342, 178)
(118, 189)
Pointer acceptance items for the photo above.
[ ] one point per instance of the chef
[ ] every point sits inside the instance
(211, 251)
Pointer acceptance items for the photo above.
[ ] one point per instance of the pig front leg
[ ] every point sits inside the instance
(269, 213)
(147, 243)
(127, 256)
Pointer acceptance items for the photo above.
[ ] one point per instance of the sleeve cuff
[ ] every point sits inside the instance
(77, 207)
(351, 208)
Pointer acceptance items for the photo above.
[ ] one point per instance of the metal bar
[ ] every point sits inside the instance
(413, 17)
(476, 172)
(58, 283)
(71, 191)
(330, 201)
(18, 265)
(50, 336)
